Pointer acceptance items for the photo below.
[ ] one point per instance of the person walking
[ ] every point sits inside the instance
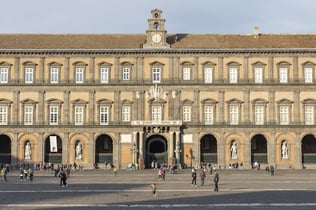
(202, 176)
(63, 178)
(4, 174)
(193, 177)
(216, 180)
(153, 187)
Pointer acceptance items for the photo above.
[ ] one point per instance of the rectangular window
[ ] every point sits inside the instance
(79, 115)
(4, 75)
(156, 113)
(308, 75)
(104, 115)
(283, 75)
(53, 115)
(259, 114)
(186, 74)
(208, 75)
(233, 75)
(209, 115)
(309, 115)
(187, 113)
(233, 114)
(126, 73)
(284, 115)
(54, 72)
(28, 75)
(79, 75)
(126, 113)
(156, 75)
(28, 115)
(104, 75)
(3, 115)
(258, 73)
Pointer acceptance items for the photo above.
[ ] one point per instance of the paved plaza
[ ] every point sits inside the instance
(238, 189)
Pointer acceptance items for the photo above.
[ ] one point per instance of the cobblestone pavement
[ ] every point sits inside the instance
(238, 189)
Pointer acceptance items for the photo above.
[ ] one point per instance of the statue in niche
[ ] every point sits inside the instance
(284, 150)
(234, 150)
(28, 151)
(79, 151)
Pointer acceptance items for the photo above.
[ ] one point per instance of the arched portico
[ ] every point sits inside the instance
(309, 149)
(259, 149)
(208, 149)
(156, 150)
(53, 149)
(104, 149)
(5, 149)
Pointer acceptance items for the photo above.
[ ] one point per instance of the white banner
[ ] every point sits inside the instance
(53, 143)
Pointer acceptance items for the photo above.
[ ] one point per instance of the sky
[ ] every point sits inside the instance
(182, 16)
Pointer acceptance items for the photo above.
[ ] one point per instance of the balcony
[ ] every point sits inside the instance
(162, 122)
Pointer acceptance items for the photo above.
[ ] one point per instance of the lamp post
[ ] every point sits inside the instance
(178, 151)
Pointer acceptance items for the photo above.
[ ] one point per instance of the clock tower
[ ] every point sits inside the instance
(156, 33)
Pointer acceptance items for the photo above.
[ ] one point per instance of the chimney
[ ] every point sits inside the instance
(256, 32)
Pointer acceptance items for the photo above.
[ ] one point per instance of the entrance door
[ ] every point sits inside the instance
(208, 149)
(53, 149)
(309, 149)
(156, 150)
(5, 149)
(259, 149)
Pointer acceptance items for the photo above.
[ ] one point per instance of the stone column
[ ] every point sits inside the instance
(221, 151)
(272, 119)
(91, 68)
(41, 147)
(117, 69)
(245, 68)
(14, 151)
(134, 148)
(42, 70)
(196, 107)
(66, 70)
(16, 108)
(196, 70)
(41, 107)
(295, 69)
(270, 69)
(17, 69)
(297, 152)
(65, 152)
(171, 145)
(271, 149)
(246, 108)
(247, 152)
(117, 105)
(66, 119)
(297, 107)
(91, 153)
(91, 107)
(141, 150)
(221, 107)
(220, 69)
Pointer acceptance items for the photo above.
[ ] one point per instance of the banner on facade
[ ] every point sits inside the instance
(53, 143)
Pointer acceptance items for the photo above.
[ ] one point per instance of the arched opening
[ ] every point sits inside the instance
(5, 149)
(259, 149)
(208, 148)
(156, 150)
(53, 149)
(104, 149)
(309, 149)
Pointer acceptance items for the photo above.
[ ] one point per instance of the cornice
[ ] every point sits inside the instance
(153, 52)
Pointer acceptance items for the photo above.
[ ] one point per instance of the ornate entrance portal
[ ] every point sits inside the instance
(156, 150)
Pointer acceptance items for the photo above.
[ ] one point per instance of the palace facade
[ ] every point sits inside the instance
(171, 98)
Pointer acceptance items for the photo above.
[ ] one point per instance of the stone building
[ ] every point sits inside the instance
(171, 98)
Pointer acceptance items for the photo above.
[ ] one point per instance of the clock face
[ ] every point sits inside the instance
(156, 38)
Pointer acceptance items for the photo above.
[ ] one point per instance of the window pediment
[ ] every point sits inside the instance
(79, 63)
(309, 101)
(283, 63)
(234, 101)
(4, 101)
(29, 63)
(153, 101)
(105, 101)
(186, 63)
(28, 101)
(233, 63)
(209, 101)
(79, 102)
(208, 63)
(258, 63)
(187, 102)
(126, 64)
(126, 101)
(156, 64)
(5, 64)
(104, 64)
(285, 102)
(308, 64)
(54, 101)
(259, 101)
(55, 64)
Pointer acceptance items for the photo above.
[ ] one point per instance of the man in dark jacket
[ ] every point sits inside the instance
(216, 180)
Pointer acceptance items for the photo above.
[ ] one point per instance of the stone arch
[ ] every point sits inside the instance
(5, 149)
(290, 140)
(259, 149)
(208, 149)
(53, 152)
(156, 148)
(308, 149)
(104, 149)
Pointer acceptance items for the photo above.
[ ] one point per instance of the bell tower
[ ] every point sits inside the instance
(156, 33)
